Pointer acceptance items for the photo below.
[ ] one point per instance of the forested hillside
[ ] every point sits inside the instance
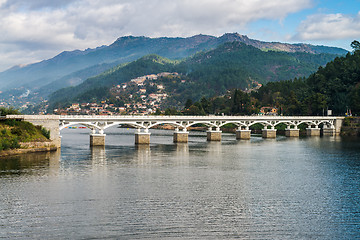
(231, 65)
(237, 65)
(334, 87)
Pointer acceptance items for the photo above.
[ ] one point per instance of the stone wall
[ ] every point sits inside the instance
(351, 126)
(28, 145)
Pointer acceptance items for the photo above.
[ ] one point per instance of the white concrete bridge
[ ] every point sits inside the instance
(329, 125)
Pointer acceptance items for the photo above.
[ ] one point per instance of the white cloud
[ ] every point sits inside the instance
(39, 29)
(329, 27)
(34, 4)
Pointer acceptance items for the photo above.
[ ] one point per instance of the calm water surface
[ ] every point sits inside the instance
(307, 188)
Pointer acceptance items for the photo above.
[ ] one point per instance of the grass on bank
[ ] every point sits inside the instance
(12, 132)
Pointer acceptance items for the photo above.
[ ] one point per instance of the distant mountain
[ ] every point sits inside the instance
(285, 47)
(230, 65)
(127, 49)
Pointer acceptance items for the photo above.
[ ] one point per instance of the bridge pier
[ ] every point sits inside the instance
(269, 133)
(181, 137)
(142, 137)
(328, 131)
(337, 125)
(292, 132)
(310, 131)
(97, 139)
(243, 134)
(214, 135)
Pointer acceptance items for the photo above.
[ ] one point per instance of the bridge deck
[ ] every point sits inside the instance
(97, 123)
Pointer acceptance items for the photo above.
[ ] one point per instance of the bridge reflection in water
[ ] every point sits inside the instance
(328, 125)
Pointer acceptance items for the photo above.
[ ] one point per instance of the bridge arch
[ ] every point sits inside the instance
(133, 124)
(310, 123)
(206, 123)
(175, 124)
(328, 123)
(263, 123)
(88, 125)
(237, 123)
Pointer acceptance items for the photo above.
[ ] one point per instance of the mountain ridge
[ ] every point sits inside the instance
(231, 65)
(130, 48)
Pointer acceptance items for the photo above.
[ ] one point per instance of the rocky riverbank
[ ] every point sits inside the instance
(351, 126)
(29, 147)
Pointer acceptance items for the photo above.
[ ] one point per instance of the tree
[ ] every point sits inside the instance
(240, 102)
(316, 104)
(157, 112)
(171, 111)
(205, 105)
(355, 45)
(355, 100)
(8, 111)
(188, 103)
(194, 110)
(293, 106)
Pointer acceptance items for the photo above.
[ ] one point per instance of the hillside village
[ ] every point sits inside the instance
(144, 95)
(140, 96)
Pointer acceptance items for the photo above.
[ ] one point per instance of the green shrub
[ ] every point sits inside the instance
(17, 131)
(28, 127)
(257, 126)
(281, 126)
(347, 121)
(45, 132)
(14, 143)
(303, 126)
(5, 144)
(10, 122)
(3, 131)
(8, 111)
(24, 137)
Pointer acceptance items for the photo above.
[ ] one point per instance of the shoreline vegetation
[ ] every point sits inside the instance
(19, 137)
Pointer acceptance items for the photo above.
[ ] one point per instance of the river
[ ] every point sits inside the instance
(302, 188)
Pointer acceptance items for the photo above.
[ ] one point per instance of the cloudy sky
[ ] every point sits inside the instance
(34, 30)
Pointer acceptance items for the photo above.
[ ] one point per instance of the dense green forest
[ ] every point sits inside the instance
(237, 64)
(231, 65)
(335, 86)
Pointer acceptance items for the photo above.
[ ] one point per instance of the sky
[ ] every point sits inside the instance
(34, 30)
